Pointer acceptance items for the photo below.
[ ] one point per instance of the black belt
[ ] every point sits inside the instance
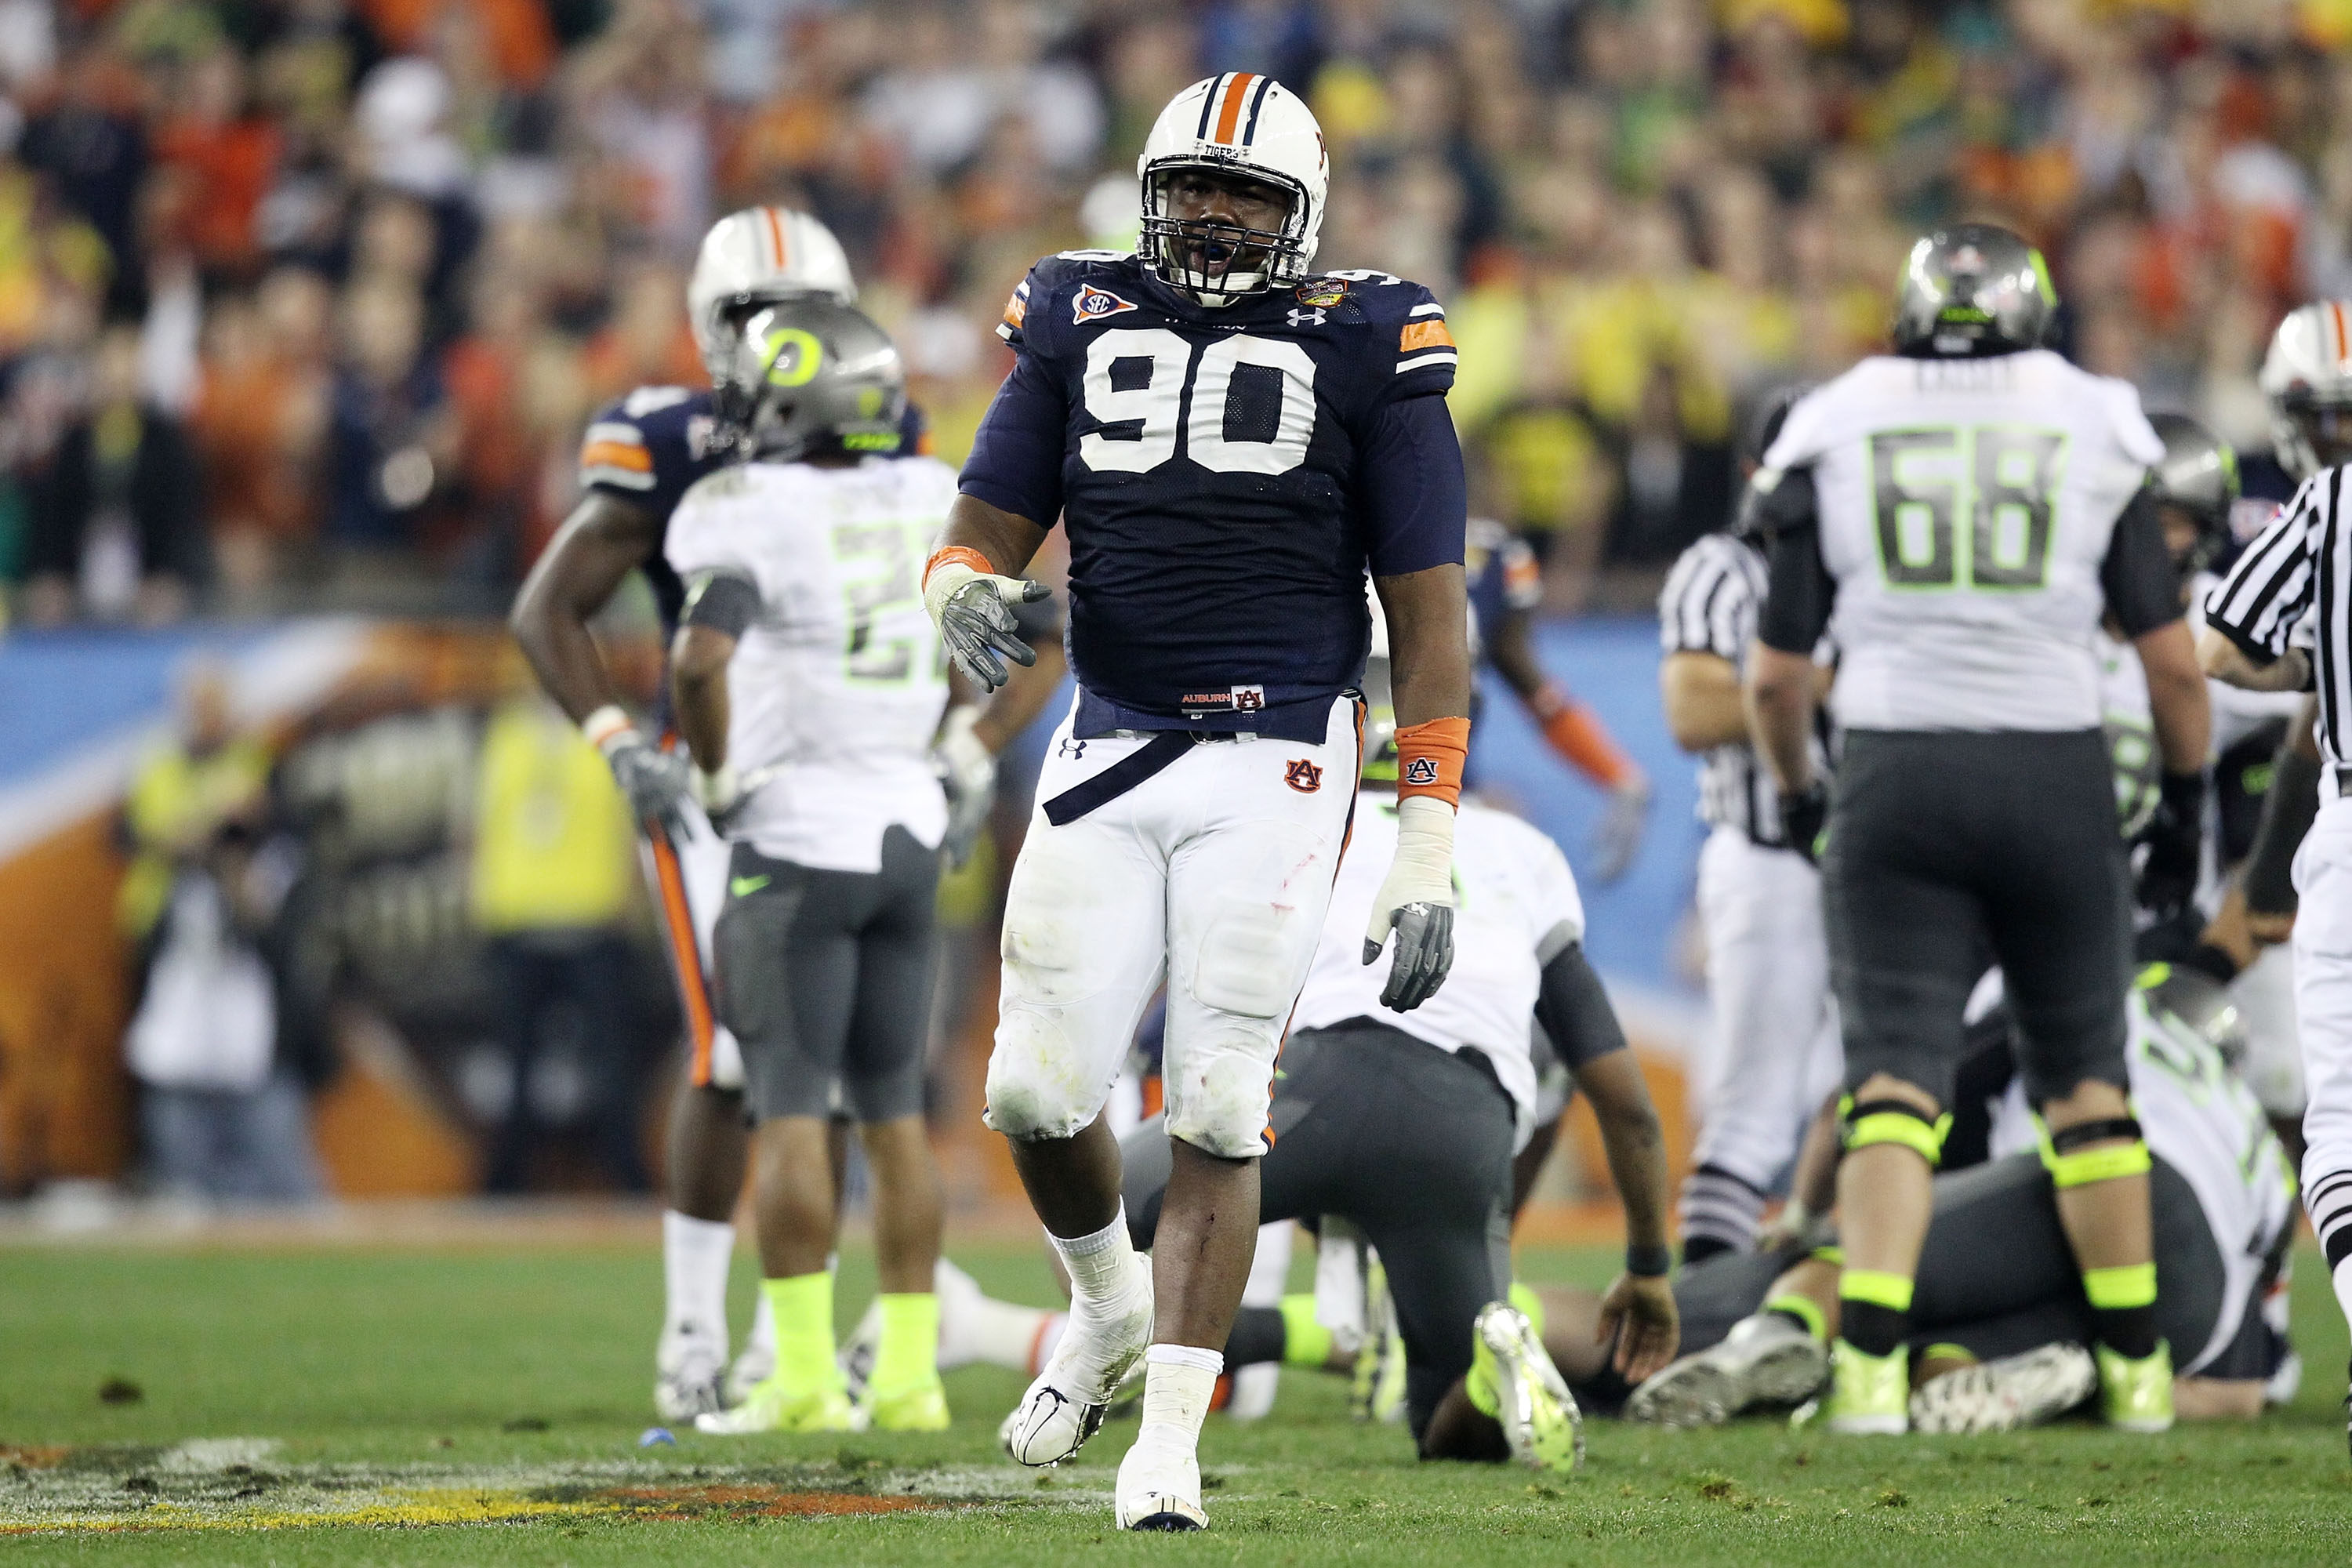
(2343, 780)
(1153, 756)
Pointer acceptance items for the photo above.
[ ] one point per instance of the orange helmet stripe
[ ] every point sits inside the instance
(1229, 116)
(2343, 340)
(775, 234)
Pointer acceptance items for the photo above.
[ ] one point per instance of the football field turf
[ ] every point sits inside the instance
(483, 1405)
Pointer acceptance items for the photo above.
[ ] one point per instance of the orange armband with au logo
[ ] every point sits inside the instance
(1430, 757)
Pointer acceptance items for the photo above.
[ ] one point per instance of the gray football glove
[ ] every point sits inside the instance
(1618, 838)
(1415, 903)
(968, 776)
(1425, 953)
(973, 611)
(655, 782)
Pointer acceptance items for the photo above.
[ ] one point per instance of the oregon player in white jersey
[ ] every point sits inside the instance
(809, 686)
(1960, 517)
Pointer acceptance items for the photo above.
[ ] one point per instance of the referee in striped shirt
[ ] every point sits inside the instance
(2296, 574)
(1775, 1055)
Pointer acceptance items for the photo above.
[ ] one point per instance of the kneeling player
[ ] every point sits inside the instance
(802, 563)
(1405, 1125)
(2000, 1307)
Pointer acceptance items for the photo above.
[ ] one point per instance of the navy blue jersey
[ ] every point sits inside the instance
(1502, 575)
(650, 448)
(1226, 478)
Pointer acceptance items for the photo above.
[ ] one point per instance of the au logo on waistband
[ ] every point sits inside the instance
(1092, 304)
(1421, 772)
(1237, 699)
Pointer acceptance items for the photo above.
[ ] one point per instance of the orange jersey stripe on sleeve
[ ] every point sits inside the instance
(1428, 334)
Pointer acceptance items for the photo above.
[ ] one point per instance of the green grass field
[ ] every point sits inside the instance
(477, 1405)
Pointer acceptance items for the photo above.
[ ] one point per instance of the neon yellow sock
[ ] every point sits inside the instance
(1305, 1341)
(802, 1306)
(1523, 1296)
(1478, 1384)
(908, 1355)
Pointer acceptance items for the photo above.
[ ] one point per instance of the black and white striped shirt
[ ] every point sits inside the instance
(1708, 605)
(2299, 570)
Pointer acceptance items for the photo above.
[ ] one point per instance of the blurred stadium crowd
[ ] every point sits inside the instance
(305, 302)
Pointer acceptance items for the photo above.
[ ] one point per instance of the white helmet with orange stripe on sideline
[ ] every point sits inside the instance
(1240, 123)
(2308, 376)
(756, 257)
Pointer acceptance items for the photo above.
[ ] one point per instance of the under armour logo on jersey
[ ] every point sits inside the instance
(1074, 750)
(1092, 304)
(1303, 776)
(1306, 318)
(1421, 773)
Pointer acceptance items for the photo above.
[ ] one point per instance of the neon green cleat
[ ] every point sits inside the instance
(772, 1407)
(1539, 1415)
(918, 1407)
(2137, 1395)
(1870, 1396)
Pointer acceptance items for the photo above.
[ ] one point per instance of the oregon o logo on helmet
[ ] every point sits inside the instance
(794, 356)
(1421, 771)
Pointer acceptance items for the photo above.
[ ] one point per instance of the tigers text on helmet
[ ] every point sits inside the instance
(1971, 290)
(758, 257)
(1240, 125)
(808, 378)
(2308, 376)
(2198, 475)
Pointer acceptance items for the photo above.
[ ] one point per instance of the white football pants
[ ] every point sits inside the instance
(1213, 875)
(1775, 1054)
(2323, 1007)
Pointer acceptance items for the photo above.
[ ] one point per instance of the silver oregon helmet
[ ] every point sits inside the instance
(2198, 474)
(807, 376)
(1970, 290)
(2192, 1000)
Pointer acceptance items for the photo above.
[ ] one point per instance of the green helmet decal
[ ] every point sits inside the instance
(794, 355)
(2041, 277)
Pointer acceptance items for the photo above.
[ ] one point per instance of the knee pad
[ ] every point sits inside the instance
(1249, 961)
(1036, 1079)
(1893, 1122)
(1219, 1099)
(2070, 1164)
(1047, 912)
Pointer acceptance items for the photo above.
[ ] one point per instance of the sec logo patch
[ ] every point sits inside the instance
(1421, 771)
(1092, 304)
(1304, 776)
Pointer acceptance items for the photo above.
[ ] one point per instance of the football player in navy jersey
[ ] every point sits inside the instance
(1231, 444)
(639, 457)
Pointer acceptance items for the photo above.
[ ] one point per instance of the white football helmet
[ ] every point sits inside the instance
(1238, 123)
(761, 255)
(2308, 376)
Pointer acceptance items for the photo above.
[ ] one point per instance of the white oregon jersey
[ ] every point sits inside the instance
(2202, 1121)
(837, 686)
(1516, 906)
(1966, 507)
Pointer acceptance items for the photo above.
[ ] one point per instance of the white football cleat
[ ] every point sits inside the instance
(855, 1357)
(1539, 1417)
(2007, 1394)
(1764, 1359)
(1159, 1491)
(688, 1374)
(1066, 1405)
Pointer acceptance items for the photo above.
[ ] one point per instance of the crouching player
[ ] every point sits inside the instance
(812, 758)
(1404, 1124)
(1999, 1323)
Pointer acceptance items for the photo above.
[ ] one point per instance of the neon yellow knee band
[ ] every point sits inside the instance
(1805, 1311)
(1879, 1288)
(1305, 1341)
(1889, 1121)
(2112, 1290)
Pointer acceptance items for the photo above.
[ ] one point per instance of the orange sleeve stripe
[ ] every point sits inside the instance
(1575, 733)
(616, 454)
(1430, 757)
(1428, 334)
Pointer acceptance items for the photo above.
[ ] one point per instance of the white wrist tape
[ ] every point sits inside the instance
(606, 725)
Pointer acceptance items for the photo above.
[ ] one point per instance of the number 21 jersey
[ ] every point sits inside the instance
(1226, 478)
(1966, 508)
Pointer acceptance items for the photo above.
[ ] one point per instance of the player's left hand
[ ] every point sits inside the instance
(1416, 902)
(720, 794)
(1618, 838)
(966, 774)
(1640, 1311)
(2175, 837)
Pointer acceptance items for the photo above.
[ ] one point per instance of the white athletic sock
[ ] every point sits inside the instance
(1100, 1263)
(1179, 1380)
(762, 1340)
(696, 1255)
(975, 1328)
